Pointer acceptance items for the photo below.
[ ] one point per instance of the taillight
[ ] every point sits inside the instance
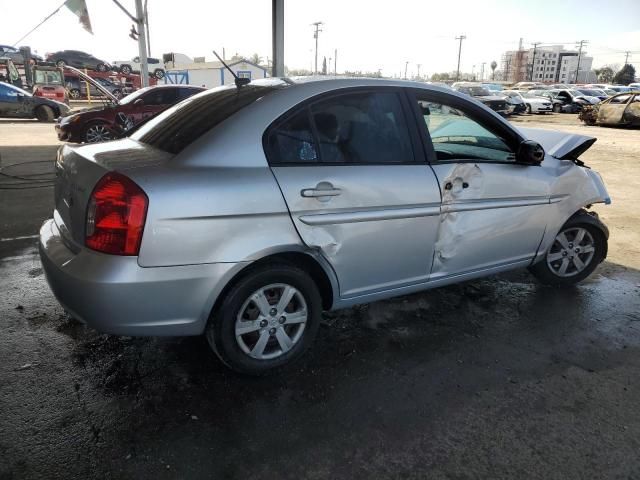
(115, 216)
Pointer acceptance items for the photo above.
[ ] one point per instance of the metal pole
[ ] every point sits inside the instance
(146, 23)
(315, 35)
(335, 62)
(482, 72)
(533, 60)
(142, 45)
(277, 31)
(405, 69)
(579, 55)
(461, 37)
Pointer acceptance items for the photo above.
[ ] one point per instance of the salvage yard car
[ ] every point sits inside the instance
(243, 212)
(128, 66)
(620, 110)
(18, 103)
(493, 100)
(102, 123)
(531, 102)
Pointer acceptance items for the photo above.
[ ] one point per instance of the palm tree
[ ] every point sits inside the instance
(494, 65)
(255, 58)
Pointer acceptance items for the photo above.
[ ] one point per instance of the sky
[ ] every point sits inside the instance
(369, 35)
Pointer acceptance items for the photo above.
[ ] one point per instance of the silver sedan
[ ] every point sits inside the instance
(244, 212)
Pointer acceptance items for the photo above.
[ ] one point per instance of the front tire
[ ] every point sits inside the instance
(125, 69)
(529, 109)
(74, 93)
(60, 64)
(45, 113)
(102, 67)
(98, 132)
(158, 73)
(574, 254)
(267, 319)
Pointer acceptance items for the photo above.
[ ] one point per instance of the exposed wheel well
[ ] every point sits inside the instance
(298, 259)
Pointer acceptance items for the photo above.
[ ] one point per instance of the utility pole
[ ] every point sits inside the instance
(482, 72)
(626, 57)
(405, 69)
(419, 65)
(139, 20)
(277, 38)
(335, 62)
(461, 38)
(315, 35)
(533, 60)
(582, 42)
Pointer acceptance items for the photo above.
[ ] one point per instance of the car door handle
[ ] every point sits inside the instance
(318, 192)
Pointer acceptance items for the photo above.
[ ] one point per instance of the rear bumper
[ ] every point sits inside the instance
(115, 295)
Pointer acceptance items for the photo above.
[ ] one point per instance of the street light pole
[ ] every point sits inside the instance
(482, 72)
(142, 44)
(582, 42)
(405, 69)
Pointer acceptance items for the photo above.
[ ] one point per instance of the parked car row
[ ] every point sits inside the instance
(78, 59)
(505, 102)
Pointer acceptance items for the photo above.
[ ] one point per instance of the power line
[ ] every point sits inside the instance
(461, 38)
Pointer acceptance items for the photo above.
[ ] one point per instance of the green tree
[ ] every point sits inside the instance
(255, 58)
(493, 66)
(439, 77)
(626, 75)
(604, 74)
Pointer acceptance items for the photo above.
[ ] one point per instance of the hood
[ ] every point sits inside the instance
(87, 78)
(561, 145)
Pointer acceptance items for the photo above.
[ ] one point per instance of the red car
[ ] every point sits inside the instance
(105, 123)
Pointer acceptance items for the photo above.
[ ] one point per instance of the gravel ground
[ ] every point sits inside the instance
(497, 378)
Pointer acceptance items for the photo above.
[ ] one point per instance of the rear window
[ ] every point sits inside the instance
(178, 127)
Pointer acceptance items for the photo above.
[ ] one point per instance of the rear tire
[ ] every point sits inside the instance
(158, 73)
(102, 67)
(252, 333)
(529, 109)
(574, 254)
(60, 63)
(45, 113)
(125, 69)
(74, 93)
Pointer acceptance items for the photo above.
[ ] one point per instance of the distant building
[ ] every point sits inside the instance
(551, 64)
(180, 70)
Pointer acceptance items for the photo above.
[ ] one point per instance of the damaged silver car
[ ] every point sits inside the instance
(245, 211)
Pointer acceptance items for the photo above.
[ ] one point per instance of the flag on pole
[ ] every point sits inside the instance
(79, 7)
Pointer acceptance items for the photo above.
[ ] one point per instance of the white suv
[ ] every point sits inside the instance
(128, 66)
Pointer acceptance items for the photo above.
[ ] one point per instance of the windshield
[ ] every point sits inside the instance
(494, 87)
(48, 77)
(132, 97)
(576, 93)
(531, 95)
(178, 127)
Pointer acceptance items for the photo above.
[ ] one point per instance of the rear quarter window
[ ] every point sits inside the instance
(175, 129)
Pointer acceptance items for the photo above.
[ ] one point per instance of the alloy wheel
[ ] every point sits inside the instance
(98, 133)
(572, 251)
(271, 321)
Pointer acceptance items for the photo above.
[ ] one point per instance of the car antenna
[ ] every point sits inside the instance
(240, 82)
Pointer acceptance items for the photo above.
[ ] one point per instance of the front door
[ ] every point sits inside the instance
(493, 209)
(610, 113)
(358, 188)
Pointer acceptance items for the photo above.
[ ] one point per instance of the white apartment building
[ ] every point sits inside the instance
(549, 64)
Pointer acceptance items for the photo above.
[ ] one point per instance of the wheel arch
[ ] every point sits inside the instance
(318, 268)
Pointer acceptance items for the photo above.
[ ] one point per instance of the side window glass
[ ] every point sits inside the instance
(620, 99)
(455, 136)
(292, 141)
(364, 128)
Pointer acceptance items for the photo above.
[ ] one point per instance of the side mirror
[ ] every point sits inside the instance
(138, 103)
(530, 153)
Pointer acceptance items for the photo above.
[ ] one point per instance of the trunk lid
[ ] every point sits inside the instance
(78, 169)
(562, 145)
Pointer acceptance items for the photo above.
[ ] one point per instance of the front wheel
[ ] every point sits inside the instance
(98, 132)
(45, 113)
(125, 69)
(74, 93)
(60, 64)
(529, 109)
(158, 73)
(102, 67)
(574, 254)
(266, 320)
